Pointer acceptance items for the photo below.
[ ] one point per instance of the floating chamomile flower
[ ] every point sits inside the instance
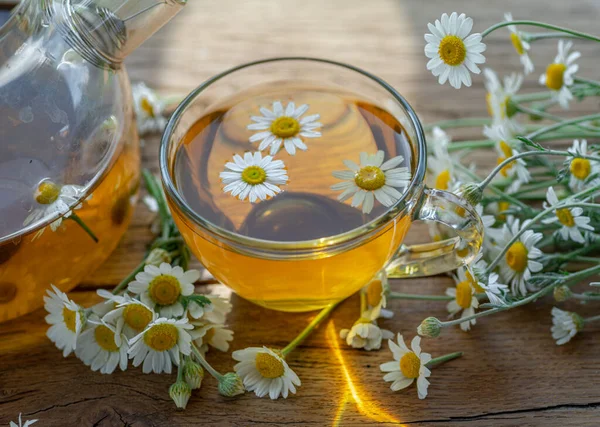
(284, 126)
(130, 317)
(265, 371)
(464, 297)
(253, 177)
(408, 365)
(571, 219)
(582, 170)
(452, 51)
(148, 109)
(67, 320)
(565, 325)
(520, 44)
(520, 258)
(517, 169)
(52, 199)
(373, 179)
(97, 347)
(212, 334)
(499, 99)
(160, 345)
(161, 287)
(365, 333)
(559, 75)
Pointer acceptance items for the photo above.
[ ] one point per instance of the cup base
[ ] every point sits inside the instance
(295, 306)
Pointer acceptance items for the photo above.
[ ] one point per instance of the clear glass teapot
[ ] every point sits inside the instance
(69, 150)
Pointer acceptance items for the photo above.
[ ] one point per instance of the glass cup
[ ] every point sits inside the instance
(311, 274)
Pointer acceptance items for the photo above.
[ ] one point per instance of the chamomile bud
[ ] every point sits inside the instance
(430, 328)
(180, 392)
(193, 374)
(231, 385)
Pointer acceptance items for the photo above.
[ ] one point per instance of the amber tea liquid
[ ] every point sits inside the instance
(307, 209)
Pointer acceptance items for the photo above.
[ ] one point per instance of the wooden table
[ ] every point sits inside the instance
(512, 373)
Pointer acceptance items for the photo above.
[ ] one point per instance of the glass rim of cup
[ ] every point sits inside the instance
(342, 239)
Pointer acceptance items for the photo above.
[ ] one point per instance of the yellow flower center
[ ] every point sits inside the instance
(474, 283)
(374, 292)
(161, 337)
(580, 168)
(410, 365)
(69, 318)
(47, 193)
(555, 76)
(516, 257)
(105, 338)
(164, 289)
(452, 50)
(565, 217)
(463, 252)
(506, 149)
(503, 206)
(506, 168)
(137, 317)
(254, 175)
(370, 178)
(442, 181)
(464, 294)
(516, 41)
(146, 106)
(269, 366)
(285, 127)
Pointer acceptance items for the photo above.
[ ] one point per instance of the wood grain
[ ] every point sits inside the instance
(512, 373)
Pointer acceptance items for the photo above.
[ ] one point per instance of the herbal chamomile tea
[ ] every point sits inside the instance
(292, 162)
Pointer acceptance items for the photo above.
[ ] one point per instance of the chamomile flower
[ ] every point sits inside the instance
(160, 345)
(464, 297)
(67, 320)
(365, 333)
(494, 290)
(376, 293)
(582, 171)
(253, 177)
(97, 347)
(212, 334)
(452, 51)
(571, 219)
(516, 169)
(499, 99)
(520, 258)
(265, 371)
(559, 75)
(437, 141)
(520, 44)
(408, 365)
(148, 109)
(20, 424)
(373, 179)
(161, 287)
(130, 317)
(284, 126)
(52, 199)
(221, 308)
(565, 325)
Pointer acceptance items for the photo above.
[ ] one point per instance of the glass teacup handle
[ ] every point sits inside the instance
(446, 255)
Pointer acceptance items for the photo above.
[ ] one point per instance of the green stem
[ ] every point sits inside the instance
(83, 225)
(587, 81)
(537, 186)
(442, 359)
(541, 36)
(529, 97)
(457, 123)
(205, 364)
(180, 371)
(161, 242)
(589, 259)
(129, 277)
(584, 297)
(156, 192)
(549, 116)
(591, 319)
(466, 145)
(561, 124)
(542, 25)
(309, 328)
(398, 295)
